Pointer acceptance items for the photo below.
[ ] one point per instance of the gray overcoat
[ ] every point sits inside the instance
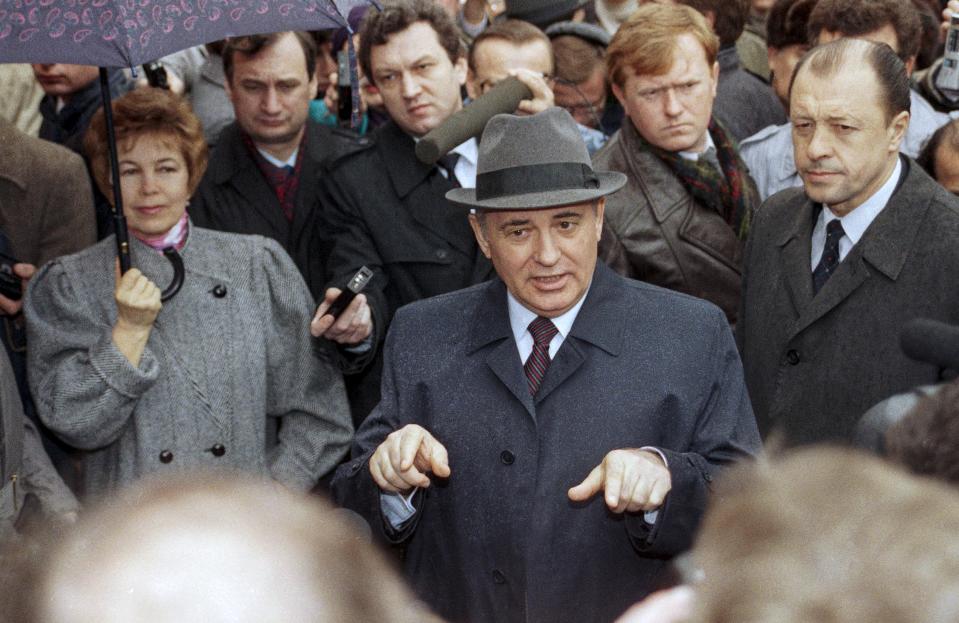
(500, 540)
(814, 365)
(227, 357)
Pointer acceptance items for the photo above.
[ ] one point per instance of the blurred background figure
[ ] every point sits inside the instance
(825, 534)
(206, 378)
(20, 96)
(926, 440)
(30, 487)
(72, 96)
(940, 156)
(744, 103)
(218, 550)
(542, 13)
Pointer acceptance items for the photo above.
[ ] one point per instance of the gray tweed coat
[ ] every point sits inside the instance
(229, 356)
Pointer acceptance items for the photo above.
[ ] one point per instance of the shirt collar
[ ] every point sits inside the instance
(520, 316)
(856, 222)
(289, 162)
(468, 151)
(695, 155)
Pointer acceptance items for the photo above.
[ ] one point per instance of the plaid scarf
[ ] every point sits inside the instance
(283, 181)
(729, 192)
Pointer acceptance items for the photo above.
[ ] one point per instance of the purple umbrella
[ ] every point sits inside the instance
(126, 33)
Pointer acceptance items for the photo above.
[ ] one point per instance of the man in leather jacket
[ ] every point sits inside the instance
(681, 220)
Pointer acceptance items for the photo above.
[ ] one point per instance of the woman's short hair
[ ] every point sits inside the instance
(140, 112)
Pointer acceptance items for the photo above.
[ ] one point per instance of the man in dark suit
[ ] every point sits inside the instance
(834, 270)
(507, 407)
(263, 173)
(385, 209)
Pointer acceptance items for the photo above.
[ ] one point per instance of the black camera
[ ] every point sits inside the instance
(11, 285)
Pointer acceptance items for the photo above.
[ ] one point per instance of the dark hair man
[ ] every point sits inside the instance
(893, 22)
(523, 488)
(833, 270)
(744, 103)
(383, 208)
(681, 219)
(264, 171)
(940, 156)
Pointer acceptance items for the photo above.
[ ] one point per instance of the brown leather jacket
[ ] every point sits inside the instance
(656, 232)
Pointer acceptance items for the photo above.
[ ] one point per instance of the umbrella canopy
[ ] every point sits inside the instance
(125, 33)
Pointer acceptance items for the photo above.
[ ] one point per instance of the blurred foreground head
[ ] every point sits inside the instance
(829, 535)
(216, 550)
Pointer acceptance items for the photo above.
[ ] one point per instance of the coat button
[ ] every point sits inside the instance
(219, 291)
(441, 254)
(498, 577)
(166, 456)
(792, 357)
(218, 449)
(507, 457)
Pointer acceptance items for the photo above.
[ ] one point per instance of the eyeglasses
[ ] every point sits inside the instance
(586, 106)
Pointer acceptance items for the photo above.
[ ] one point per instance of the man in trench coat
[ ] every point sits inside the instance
(489, 469)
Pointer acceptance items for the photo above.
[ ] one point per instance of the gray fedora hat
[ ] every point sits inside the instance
(538, 161)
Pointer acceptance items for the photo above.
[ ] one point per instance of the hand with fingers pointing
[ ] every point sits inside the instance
(404, 459)
(632, 480)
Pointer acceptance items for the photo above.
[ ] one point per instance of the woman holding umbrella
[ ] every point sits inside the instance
(223, 375)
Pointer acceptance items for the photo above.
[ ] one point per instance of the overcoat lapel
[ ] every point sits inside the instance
(246, 178)
(795, 247)
(491, 325)
(422, 190)
(883, 247)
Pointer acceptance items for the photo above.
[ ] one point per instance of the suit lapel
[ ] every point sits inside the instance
(423, 190)
(796, 249)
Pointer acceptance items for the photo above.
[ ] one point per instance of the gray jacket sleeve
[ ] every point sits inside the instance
(85, 389)
(305, 387)
(40, 478)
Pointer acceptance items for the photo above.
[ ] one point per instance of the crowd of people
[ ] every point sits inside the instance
(598, 354)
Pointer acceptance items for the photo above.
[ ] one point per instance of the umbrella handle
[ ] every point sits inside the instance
(177, 282)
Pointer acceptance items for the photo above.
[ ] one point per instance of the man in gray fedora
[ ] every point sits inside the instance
(509, 406)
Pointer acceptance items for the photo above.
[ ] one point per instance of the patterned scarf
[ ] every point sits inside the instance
(283, 181)
(731, 193)
(176, 237)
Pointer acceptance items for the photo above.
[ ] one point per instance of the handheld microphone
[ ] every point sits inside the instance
(931, 341)
(469, 122)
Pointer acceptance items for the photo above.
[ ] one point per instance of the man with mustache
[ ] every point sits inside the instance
(833, 270)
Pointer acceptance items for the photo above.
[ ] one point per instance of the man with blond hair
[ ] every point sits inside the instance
(680, 220)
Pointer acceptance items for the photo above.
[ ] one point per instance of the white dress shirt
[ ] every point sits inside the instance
(855, 223)
(290, 162)
(465, 169)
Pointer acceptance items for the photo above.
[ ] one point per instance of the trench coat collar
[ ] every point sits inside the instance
(235, 160)
(884, 247)
(600, 322)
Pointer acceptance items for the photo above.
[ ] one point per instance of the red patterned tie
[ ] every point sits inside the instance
(543, 332)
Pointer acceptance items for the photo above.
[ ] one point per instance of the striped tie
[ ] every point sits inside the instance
(543, 332)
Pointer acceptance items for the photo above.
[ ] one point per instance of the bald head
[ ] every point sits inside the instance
(833, 59)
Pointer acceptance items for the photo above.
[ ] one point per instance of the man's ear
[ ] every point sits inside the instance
(618, 93)
(460, 69)
(910, 64)
(899, 126)
(471, 89)
(480, 233)
(600, 211)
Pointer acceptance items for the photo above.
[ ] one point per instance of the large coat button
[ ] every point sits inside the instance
(498, 577)
(218, 449)
(219, 290)
(792, 357)
(507, 457)
(166, 456)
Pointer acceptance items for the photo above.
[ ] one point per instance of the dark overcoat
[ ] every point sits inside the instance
(500, 540)
(234, 196)
(384, 209)
(814, 365)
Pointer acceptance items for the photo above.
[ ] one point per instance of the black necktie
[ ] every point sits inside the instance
(448, 164)
(830, 255)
